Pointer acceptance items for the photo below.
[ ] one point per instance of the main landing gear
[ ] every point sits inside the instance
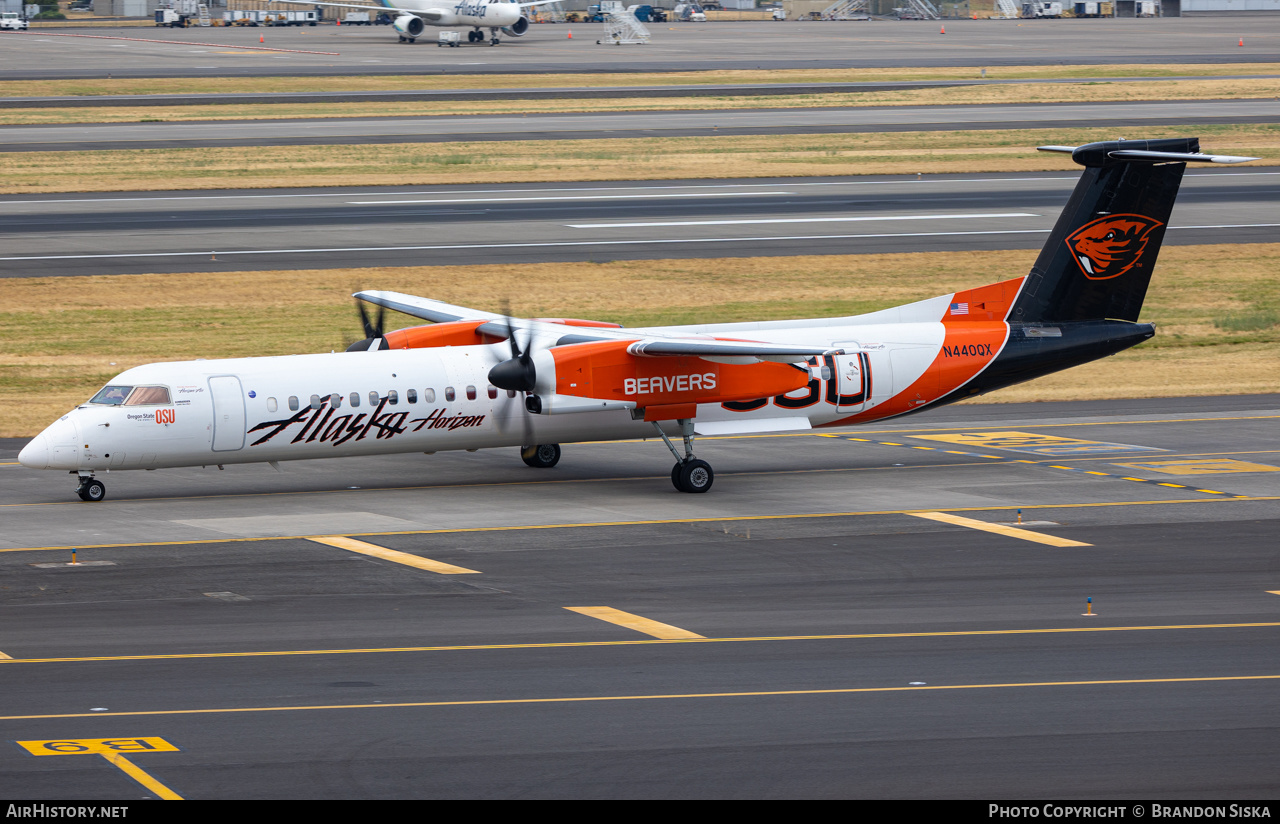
(541, 456)
(689, 474)
(477, 36)
(91, 489)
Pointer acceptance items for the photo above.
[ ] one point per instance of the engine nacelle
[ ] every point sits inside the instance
(409, 25)
(517, 29)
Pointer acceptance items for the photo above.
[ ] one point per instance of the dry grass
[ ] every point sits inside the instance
(579, 160)
(249, 85)
(992, 94)
(107, 324)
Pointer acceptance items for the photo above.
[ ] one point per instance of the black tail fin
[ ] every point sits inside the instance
(1098, 260)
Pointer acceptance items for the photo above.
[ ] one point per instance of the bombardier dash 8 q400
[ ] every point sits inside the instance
(413, 16)
(474, 380)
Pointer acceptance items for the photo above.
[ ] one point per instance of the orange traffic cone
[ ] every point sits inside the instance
(944, 30)
(261, 39)
(339, 20)
(570, 34)
(1241, 41)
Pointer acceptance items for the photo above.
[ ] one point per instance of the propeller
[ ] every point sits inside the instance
(518, 373)
(374, 338)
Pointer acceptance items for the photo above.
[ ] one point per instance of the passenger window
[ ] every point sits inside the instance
(493, 392)
(335, 400)
(429, 396)
(393, 397)
(373, 398)
(449, 393)
(471, 393)
(355, 399)
(293, 403)
(411, 396)
(112, 395)
(271, 405)
(148, 396)
(315, 401)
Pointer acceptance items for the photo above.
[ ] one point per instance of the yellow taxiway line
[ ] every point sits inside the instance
(585, 699)
(655, 522)
(625, 619)
(142, 777)
(583, 644)
(372, 550)
(1008, 531)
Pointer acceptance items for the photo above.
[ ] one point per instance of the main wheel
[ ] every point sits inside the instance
(675, 477)
(695, 476)
(92, 490)
(542, 456)
(495, 41)
(473, 36)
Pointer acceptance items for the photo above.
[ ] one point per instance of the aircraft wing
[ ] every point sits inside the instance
(425, 308)
(361, 6)
(710, 348)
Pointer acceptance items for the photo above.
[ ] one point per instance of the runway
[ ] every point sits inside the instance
(801, 631)
(119, 233)
(595, 126)
(675, 47)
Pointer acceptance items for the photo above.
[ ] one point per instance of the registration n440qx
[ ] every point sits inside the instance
(476, 380)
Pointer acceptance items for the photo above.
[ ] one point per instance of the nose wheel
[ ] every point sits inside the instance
(689, 474)
(91, 490)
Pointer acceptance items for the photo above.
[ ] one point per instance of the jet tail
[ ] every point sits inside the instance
(1099, 258)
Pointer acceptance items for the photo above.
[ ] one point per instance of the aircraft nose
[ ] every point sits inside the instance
(35, 454)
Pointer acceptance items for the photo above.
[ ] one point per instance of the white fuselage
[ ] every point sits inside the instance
(478, 13)
(412, 400)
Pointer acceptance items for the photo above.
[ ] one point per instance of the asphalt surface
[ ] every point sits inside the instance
(849, 648)
(119, 233)
(46, 54)
(593, 126)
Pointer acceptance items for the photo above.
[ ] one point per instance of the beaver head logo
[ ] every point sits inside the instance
(1110, 246)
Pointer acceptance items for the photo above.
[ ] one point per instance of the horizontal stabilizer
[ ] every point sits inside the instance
(748, 427)
(1140, 155)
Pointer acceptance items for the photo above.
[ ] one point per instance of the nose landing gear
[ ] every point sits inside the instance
(91, 489)
(689, 474)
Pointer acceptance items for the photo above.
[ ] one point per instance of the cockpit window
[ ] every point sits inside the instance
(148, 396)
(112, 395)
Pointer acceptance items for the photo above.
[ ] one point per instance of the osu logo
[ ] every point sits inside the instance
(166, 415)
(1110, 246)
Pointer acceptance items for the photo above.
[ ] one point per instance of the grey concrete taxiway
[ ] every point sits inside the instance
(330, 50)
(801, 631)
(581, 126)
(115, 233)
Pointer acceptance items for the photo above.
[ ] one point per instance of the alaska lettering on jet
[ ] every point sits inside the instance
(477, 9)
(320, 424)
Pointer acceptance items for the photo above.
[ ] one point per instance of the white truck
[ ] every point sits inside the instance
(1041, 10)
(357, 18)
(12, 21)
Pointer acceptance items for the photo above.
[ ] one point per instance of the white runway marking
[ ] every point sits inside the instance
(792, 220)
(569, 197)
(792, 184)
(571, 243)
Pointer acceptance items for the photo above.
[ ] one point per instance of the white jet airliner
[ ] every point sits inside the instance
(474, 379)
(413, 16)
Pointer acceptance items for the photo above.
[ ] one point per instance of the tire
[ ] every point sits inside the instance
(541, 456)
(675, 477)
(92, 490)
(696, 476)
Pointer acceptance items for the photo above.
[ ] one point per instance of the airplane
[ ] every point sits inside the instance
(473, 379)
(413, 16)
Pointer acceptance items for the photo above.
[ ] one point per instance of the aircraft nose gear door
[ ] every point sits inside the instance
(851, 377)
(228, 413)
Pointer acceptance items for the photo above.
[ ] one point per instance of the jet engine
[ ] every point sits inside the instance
(517, 29)
(409, 25)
